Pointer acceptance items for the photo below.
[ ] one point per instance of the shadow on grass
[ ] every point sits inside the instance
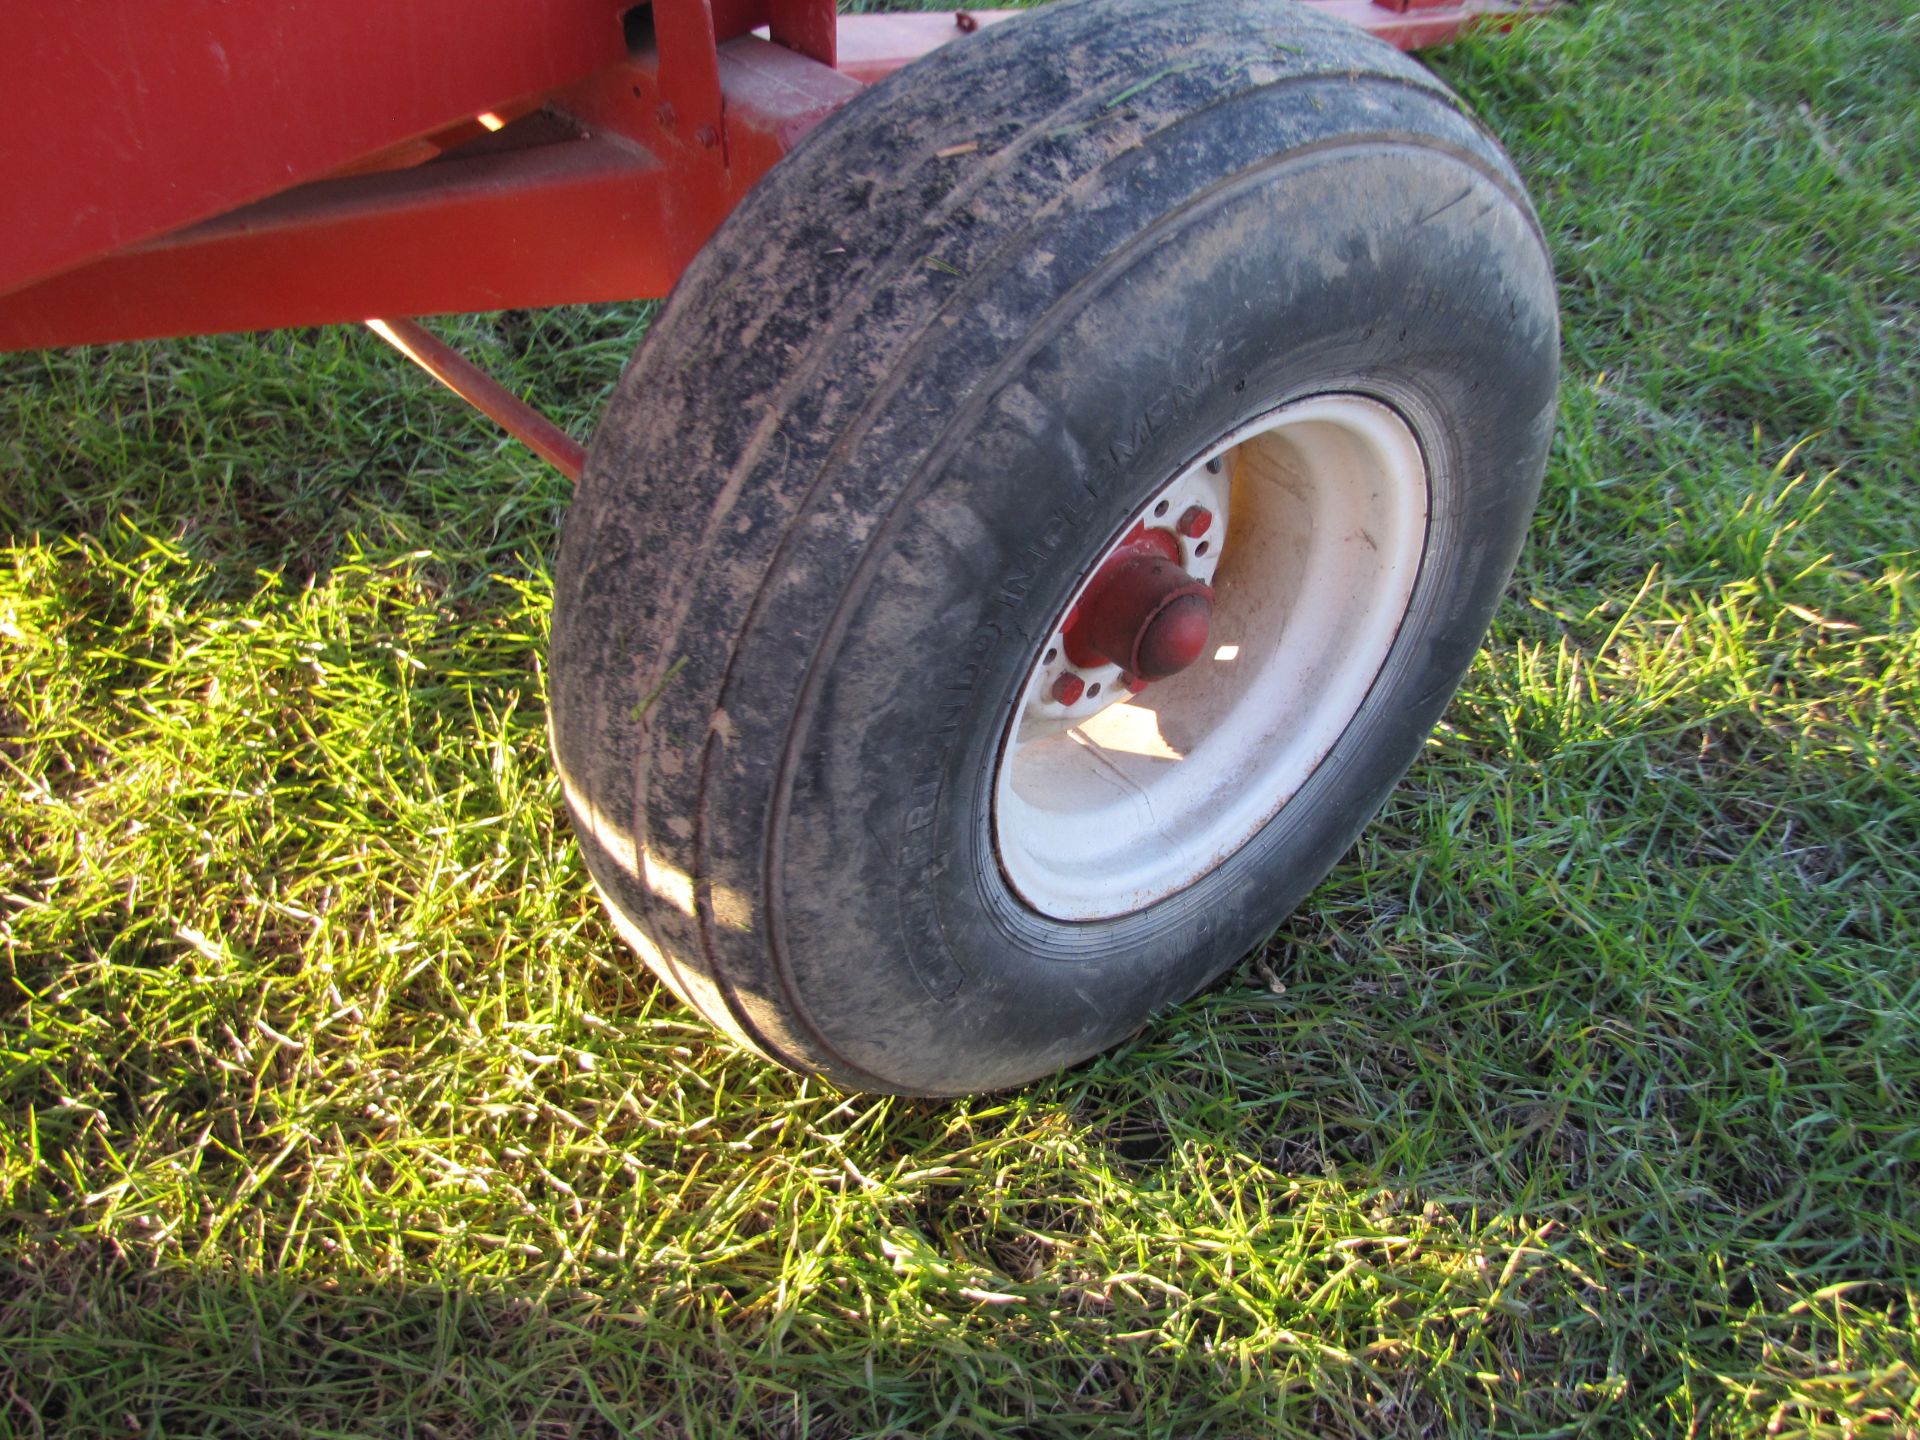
(1300, 1214)
(962, 1311)
(273, 451)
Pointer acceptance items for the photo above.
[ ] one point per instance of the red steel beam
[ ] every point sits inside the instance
(540, 226)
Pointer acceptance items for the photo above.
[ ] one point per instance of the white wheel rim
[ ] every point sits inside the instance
(1107, 806)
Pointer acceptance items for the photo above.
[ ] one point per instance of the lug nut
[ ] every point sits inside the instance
(1068, 689)
(1133, 682)
(1195, 522)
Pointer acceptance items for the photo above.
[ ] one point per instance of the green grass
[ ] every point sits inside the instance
(1583, 1099)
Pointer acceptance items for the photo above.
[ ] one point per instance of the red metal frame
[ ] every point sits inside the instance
(554, 209)
(189, 166)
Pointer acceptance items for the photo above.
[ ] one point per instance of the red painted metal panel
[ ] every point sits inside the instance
(809, 26)
(537, 215)
(125, 121)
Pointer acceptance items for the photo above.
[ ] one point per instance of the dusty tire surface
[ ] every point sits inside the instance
(929, 368)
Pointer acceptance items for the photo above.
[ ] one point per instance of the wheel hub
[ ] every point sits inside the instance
(1142, 612)
(1211, 658)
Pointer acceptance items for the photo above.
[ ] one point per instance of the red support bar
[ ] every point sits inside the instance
(574, 220)
(1419, 24)
(485, 394)
(690, 106)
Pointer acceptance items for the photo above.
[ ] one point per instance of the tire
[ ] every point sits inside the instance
(918, 395)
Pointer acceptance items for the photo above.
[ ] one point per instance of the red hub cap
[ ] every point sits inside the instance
(1143, 612)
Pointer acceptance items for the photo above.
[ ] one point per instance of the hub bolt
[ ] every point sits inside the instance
(1068, 689)
(1195, 522)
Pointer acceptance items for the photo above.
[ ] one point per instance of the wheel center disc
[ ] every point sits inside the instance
(1210, 658)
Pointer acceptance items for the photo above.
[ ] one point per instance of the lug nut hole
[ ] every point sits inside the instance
(1160, 509)
(1203, 547)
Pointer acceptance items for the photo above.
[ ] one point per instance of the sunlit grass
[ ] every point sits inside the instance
(1584, 1098)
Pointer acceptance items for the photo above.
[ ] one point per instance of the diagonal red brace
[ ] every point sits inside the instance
(486, 394)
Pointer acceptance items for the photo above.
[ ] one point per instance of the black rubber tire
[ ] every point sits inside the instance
(920, 378)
